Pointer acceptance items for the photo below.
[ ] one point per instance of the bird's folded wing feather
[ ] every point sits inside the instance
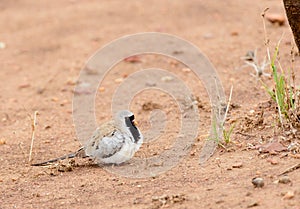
(107, 129)
(109, 146)
(105, 141)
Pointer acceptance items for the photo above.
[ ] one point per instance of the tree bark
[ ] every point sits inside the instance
(292, 8)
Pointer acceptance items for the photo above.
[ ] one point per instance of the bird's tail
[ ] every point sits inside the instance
(78, 153)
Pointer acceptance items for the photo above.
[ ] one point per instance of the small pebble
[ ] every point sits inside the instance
(253, 204)
(24, 85)
(293, 147)
(258, 182)
(2, 45)
(289, 195)
(71, 81)
(101, 89)
(219, 201)
(64, 102)
(248, 194)
(208, 36)
(54, 99)
(275, 18)
(234, 33)
(90, 71)
(47, 127)
(2, 141)
(167, 78)
(186, 70)
(119, 80)
(150, 84)
(272, 161)
(284, 180)
(173, 63)
(237, 165)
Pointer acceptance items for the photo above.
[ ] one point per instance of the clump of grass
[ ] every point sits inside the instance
(226, 137)
(227, 134)
(284, 93)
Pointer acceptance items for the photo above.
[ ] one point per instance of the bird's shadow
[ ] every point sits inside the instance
(93, 164)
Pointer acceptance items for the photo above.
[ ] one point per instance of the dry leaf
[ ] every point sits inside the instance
(272, 147)
(133, 59)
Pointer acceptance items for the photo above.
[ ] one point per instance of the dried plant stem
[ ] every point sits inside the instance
(228, 105)
(279, 83)
(33, 127)
(293, 168)
(265, 32)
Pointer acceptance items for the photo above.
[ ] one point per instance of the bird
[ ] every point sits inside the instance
(113, 142)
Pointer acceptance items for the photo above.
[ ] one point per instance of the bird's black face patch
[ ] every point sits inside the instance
(131, 118)
(132, 128)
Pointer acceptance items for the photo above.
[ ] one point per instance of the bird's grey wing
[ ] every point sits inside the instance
(108, 146)
(107, 129)
(105, 141)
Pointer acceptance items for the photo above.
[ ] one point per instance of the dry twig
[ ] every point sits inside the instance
(33, 127)
(291, 169)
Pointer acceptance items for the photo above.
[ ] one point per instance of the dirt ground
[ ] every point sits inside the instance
(47, 43)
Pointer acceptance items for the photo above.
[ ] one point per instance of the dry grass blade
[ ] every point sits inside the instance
(33, 127)
(228, 105)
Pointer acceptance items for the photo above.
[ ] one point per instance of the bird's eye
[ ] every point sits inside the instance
(131, 118)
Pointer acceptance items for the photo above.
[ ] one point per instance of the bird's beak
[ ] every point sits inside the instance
(135, 123)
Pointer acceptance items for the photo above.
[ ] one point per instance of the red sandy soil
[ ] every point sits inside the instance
(47, 43)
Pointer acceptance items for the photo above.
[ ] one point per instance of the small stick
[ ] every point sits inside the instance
(295, 167)
(267, 40)
(33, 125)
(244, 134)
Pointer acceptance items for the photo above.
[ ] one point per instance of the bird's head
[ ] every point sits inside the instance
(127, 122)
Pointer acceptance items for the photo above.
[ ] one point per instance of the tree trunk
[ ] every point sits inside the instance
(292, 8)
